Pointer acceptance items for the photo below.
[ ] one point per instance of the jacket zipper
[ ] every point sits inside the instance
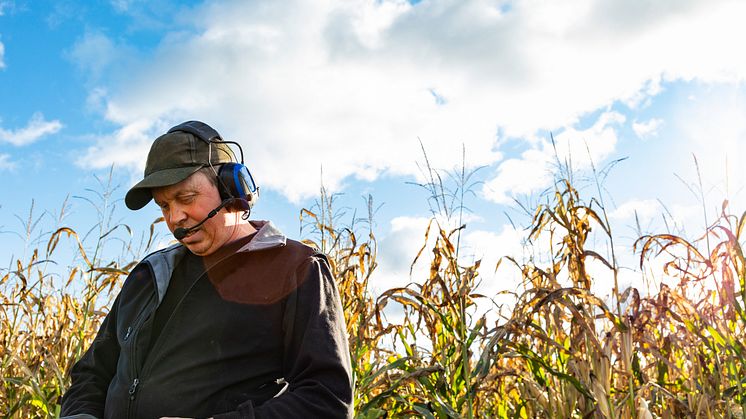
(133, 389)
(143, 373)
(133, 334)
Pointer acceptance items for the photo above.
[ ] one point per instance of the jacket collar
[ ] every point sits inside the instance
(163, 262)
(267, 237)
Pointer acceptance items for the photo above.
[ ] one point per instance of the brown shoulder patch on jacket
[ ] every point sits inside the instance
(261, 277)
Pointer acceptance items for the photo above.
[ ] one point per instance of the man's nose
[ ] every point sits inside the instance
(177, 215)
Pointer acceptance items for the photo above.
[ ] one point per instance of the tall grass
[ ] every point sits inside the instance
(48, 319)
(561, 350)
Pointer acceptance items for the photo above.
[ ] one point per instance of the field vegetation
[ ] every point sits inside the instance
(558, 351)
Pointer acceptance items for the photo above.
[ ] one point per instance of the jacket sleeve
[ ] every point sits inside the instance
(92, 374)
(317, 358)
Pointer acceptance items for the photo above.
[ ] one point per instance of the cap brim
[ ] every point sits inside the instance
(139, 195)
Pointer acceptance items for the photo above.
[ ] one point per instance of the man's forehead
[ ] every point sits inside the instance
(196, 182)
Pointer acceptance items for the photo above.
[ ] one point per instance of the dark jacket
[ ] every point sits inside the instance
(266, 315)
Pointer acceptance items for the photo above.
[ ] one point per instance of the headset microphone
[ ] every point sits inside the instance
(181, 232)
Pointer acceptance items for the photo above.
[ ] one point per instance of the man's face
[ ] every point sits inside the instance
(187, 203)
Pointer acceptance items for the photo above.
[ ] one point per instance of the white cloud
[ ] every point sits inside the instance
(643, 97)
(121, 5)
(723, 130)
(397, 252)
(533, 170)
(5, 163)
(654, 217)
(36, 128)
(407, 236)
(349, 84)
(489, 248)
(645, 130)
(102, 59)
(128, 146)
(637, 217)
(643, 209)
(399, 247)
(3, 5)
(93, 52)
(711, 128)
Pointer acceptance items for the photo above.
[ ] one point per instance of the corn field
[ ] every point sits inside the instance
(559, 351)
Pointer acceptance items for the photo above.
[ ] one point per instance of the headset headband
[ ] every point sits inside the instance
(199, 129)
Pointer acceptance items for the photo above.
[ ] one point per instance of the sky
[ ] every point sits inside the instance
(349, 93)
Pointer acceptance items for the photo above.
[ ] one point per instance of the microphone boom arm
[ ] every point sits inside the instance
(182, 232)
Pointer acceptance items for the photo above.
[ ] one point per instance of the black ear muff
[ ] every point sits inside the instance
(235, 181)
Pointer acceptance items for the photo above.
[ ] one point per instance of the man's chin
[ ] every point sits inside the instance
(195, 248)
(192, 241)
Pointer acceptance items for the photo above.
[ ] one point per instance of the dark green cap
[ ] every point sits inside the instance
(173, 157)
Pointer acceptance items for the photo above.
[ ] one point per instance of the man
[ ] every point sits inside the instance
(234, 321)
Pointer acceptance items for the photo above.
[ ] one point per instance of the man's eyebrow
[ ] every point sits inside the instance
(187, 192)
(179, 194)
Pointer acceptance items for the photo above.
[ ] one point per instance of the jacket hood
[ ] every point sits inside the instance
(163, 262)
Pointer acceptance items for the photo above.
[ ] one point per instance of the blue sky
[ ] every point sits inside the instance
(350, 88)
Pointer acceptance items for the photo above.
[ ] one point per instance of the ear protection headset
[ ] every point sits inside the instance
(234, 179)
